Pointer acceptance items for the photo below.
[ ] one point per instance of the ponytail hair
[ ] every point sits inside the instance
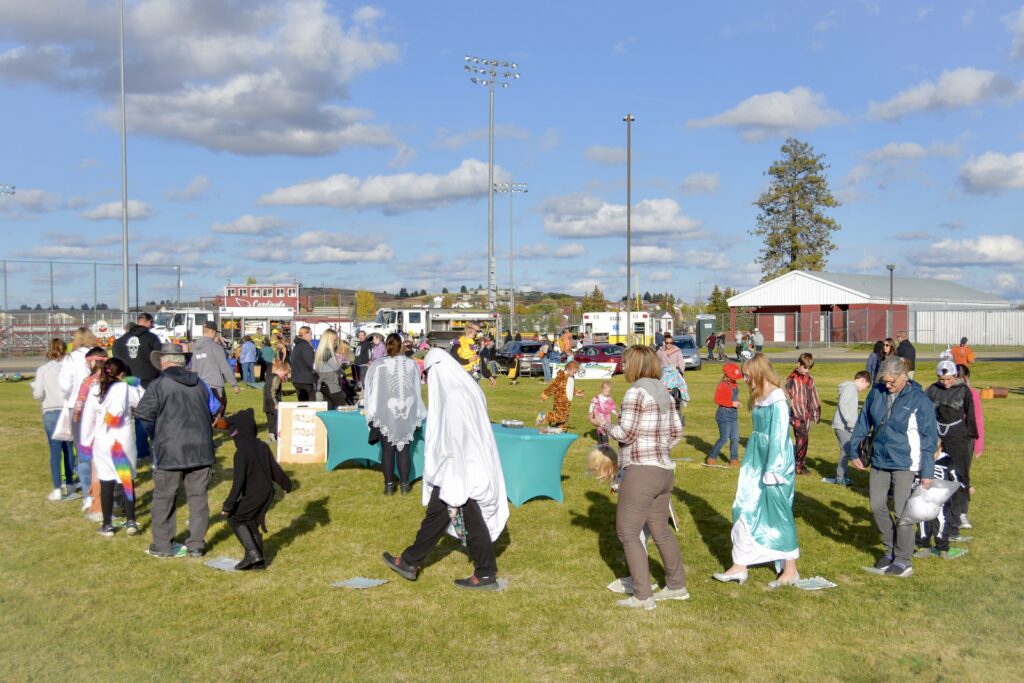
(113, 370)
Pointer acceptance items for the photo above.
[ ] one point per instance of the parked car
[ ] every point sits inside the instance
(691, 352)
(526, 352)
(601, 353)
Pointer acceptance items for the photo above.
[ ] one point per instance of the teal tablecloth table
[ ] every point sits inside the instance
(531, 462)
(347, 436)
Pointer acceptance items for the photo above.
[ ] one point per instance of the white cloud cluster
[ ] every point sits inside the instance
(898, 151)
(451, 140)
(700, 183)
(30, 201)
(984, 250)
(892, 161)
(774, 114)
(251, 225)
(608, 156)
(258, 77)
(954, 89)
(1015, 22)
(112, 211)
(583, 216)
(393, 193)
(562, 251)
(993, 172)
(195, 189)
(321, 246)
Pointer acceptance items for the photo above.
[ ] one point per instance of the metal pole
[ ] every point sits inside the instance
(491, 284)
(5, 286)
(137, 288)
(177, 296)
(628, 118)
(124, 189)
(889, 322)
(511, 283)
(95, 296)
(51, 288)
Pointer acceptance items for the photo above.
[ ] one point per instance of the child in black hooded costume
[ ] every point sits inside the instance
(252, 489)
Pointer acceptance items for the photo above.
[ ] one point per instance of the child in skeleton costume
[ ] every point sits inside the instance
(108, 435)
(394, 410)
(463, 485)
(939, 528)
(252, 488)
(954, 413)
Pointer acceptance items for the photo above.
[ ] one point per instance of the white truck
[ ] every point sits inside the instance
(424, 321)
(181, 324)
(611, 327)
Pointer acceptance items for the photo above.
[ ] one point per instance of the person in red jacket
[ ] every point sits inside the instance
(727, 398)
(805, 407)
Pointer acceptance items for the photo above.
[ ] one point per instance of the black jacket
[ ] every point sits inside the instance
(254, 474)
(133, 347)
(272, 393)
(907, 351)
(362, 352)
(302, 363)
(176, 411)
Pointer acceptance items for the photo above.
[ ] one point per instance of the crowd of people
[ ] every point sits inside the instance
(102, 414)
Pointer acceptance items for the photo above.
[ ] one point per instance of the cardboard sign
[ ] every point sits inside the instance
(588, 370)
(302, 437)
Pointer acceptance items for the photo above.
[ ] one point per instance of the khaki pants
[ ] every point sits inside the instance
(644, 498)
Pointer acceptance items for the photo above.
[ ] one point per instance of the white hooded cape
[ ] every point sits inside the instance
(461, 455)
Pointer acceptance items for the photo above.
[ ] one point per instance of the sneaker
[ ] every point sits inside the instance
(177, 550)
(672, 594)
(711, 461)
(964, 522)
(94, 516)
(631, 602)
(952, 553)
(883, 563)
(106, 530)
(86, 503)
(482, 583)
(131, 528)
(899, 570)
(923, 553)
(196, 553)
(399, 566)
(55, 495)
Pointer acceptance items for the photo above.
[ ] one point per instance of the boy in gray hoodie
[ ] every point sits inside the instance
(844, 421)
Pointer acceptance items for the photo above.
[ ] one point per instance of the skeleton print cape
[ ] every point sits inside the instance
(392, 399)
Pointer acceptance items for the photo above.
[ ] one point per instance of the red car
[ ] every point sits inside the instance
(601, 353)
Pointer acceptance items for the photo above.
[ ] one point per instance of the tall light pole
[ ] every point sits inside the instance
(124, 190)
(628, 118)
(489, 72)
(889, 323)
(511, 188)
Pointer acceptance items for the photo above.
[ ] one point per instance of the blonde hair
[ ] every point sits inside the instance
(281, 364)
(326, 348)
(83, 337)
(639, 362)
(760, 375)
(602, 463)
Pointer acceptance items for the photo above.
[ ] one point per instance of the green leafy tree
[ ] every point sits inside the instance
(403, 293)
(444, 290)
(792, 224)
(463, 290)
(594, 302)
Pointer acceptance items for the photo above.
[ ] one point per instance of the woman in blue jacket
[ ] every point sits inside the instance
(901, 421)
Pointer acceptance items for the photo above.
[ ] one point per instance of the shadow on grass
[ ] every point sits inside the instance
(600, 519)
(315, 514)
(850, 525)
(714, 529)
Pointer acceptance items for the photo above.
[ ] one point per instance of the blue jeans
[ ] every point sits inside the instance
(728, 430)
(141, 440)
(545, 363)
(247, 375)
(58, 450)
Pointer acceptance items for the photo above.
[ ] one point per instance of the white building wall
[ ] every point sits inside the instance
(795, 289)
(982, 328)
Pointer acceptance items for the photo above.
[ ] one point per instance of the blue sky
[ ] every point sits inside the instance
(343, 144)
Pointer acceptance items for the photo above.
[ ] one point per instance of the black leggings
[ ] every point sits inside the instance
(107, 503)
(388, 454)
(436, 521)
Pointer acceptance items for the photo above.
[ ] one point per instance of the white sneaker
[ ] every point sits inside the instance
(672, 594)
(964, 522)
(94, 516)
(57, 494)
(86, 503)
(631, 602)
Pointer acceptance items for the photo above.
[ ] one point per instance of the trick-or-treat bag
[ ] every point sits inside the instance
(924, 505)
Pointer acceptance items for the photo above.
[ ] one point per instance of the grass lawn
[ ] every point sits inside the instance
(74, 605)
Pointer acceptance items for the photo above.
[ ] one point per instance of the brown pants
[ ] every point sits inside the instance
(644, 497)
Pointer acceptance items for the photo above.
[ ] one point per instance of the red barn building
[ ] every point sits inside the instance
(804, 307)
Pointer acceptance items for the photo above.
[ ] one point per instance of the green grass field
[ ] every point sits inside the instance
(77, 606)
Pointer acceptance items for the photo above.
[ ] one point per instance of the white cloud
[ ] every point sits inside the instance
(1008, 285)
(392, 193)
(31, 201)
(653, 254)
(700, 183)
(250, 225)
(563, 251)
(893, 160)
(1015, 22)
(584, 216)
(954, 89)
(550, 139)
(660, 276)
(112, 210)
(610, 156)
(403, 157)
(984, 250)
(257, 77)
(320, 246)
(196, 188)
(774, 114)
(993, 172)
(448, 139)
(708, 260)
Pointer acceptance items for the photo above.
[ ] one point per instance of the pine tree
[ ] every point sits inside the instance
(796, 234)
(594, 301)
